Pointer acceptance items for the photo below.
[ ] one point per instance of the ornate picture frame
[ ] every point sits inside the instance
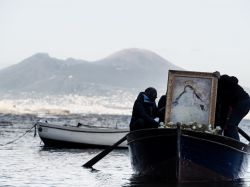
(191, 97)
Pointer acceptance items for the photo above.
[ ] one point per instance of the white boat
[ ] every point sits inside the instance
(73, 136)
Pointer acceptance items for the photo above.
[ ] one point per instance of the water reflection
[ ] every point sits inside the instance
(152, 182)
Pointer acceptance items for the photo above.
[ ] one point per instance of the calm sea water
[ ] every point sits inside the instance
(25, 163)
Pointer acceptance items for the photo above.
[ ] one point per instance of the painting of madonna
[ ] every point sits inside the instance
(190, 99)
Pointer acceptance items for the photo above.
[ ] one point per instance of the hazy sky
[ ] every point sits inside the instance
(198, 35)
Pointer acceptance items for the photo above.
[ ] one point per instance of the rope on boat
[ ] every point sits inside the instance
(27, 131)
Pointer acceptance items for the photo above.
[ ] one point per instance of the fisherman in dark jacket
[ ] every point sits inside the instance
(145, 110)
(233, 104)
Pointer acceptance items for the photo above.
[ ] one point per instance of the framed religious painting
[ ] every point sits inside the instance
(191, 97)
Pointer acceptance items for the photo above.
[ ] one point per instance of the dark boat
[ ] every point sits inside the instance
(181, 155)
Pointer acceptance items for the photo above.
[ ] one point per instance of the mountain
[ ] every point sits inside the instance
(129, 69)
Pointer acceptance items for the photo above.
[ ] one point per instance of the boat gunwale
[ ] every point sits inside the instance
(234, 146)
(77, 129)
(224, 138)
(231, 147)
(149, 137)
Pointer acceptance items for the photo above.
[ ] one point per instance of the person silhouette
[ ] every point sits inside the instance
(233, 104)
(162, 108)
(145, 110)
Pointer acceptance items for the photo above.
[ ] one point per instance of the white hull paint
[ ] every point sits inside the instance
(78, 135)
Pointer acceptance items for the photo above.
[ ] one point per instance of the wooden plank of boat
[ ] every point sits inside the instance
(69, 136)
(185, 155)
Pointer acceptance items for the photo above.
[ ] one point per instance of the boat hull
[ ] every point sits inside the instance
(76, 137)
(184, 155)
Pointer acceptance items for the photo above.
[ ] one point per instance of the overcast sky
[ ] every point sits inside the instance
(198, 35)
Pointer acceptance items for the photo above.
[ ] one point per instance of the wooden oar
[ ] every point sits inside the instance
(244, 134)
(102, 154)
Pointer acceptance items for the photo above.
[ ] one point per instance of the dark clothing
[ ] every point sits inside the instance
(229, 91)
(162, 108)
(239, 111)
(233, 104)
(144, 112)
